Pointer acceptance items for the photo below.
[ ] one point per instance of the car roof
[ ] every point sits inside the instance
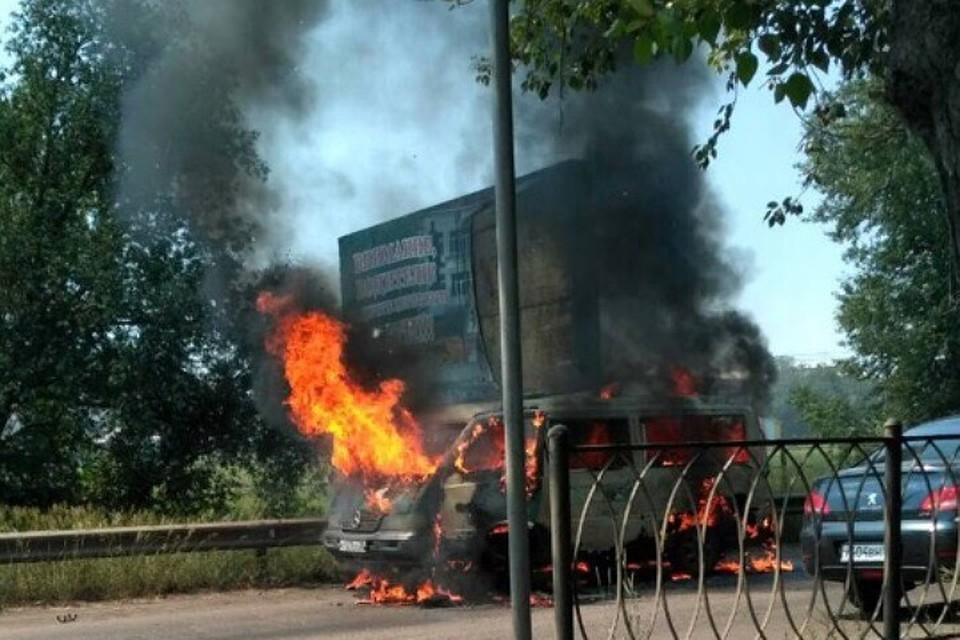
(940, 427)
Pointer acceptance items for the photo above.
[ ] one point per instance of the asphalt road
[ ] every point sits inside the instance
(727, 608)
(332, 612)
(327, 612)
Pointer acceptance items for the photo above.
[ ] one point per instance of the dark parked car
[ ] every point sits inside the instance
(842, 538)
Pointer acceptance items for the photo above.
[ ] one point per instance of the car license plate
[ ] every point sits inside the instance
(863, 553)
(353, 546)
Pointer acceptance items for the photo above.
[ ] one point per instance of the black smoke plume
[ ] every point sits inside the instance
(666, 279)
(199, 68)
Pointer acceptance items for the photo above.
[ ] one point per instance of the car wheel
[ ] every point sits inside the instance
(865, 595)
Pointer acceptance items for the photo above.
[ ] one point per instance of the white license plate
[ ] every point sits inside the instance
(863, 553)
(352, 546)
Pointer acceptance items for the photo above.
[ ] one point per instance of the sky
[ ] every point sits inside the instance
(397, 132)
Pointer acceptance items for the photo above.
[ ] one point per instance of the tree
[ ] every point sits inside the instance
(911, 44)
(833, 416)
(128, 373)
(57, 250)
(824, 400)
(883, 201)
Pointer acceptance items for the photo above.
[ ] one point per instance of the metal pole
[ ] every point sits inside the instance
(894, 550)
(511, 372)
(560, 532)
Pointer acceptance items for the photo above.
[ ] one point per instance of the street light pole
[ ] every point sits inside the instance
(510, 355)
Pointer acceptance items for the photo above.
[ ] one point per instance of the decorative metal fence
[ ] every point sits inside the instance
(817, 538)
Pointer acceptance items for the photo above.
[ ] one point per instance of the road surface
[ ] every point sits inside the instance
(334, 613)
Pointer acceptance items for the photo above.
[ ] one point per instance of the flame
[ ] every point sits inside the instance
(610, 391)
(531, 464)
(474, 453)
(684, 384)
(361, 580)
(437, 535)
(537, 600)
(709, 511)
(382, 591)
(468, 458)
(766, 563)
(377, 500)
(373, 436)
(769, 563)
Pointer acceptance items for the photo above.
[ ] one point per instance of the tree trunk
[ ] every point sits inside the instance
(923, 84)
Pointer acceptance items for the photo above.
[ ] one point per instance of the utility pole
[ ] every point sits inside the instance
(510, 355)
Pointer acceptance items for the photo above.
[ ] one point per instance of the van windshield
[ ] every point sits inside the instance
(482, 446)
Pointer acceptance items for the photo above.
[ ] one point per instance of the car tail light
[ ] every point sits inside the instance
(816, 504)
(942, 499)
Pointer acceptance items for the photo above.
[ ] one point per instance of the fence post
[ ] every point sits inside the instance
(562, 560)
(892, 542)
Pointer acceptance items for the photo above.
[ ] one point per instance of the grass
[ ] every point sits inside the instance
(144, 576)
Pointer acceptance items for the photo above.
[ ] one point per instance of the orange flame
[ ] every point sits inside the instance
(531, 464)
(709, 511)
(373, 435)
(766, 563)
(377, 500)
(488, 454)
(382, 591)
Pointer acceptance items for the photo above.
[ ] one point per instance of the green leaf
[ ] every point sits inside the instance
(708, 25)
(820, 59)
(739, 15)
(643, 49)
(643, 7)
(798, 88)
(778, 92)
(682, 48)
(769, 44)
(778, 69)
(746, 67)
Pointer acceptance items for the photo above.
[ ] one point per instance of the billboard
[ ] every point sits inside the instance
(427, 282)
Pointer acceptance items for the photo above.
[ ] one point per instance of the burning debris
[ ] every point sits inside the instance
(381, 591)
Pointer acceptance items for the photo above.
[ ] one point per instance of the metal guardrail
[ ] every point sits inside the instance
(40, 546)
(806, 589)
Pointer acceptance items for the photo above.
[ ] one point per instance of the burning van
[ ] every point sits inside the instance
(680, 503)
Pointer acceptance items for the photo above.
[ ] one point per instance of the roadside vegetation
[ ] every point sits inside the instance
(145, 576)
(162, 574)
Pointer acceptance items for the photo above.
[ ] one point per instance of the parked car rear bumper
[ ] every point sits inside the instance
(928, 545)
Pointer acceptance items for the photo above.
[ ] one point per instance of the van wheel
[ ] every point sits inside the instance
(495, 558)
(682, 550)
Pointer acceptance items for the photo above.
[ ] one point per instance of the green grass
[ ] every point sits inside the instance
(142, 576)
